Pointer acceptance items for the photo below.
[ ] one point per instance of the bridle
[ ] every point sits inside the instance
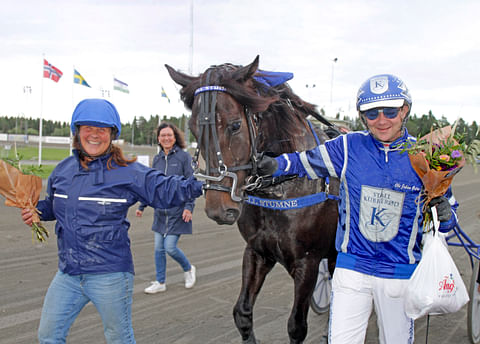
(206, 126)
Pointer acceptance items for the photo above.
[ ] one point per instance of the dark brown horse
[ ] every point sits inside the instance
(233, 117)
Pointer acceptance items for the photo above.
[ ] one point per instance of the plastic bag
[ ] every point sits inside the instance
(436, 286)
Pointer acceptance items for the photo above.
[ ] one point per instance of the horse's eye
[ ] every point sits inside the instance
(235, 126)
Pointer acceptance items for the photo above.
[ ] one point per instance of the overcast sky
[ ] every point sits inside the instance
(434, 46)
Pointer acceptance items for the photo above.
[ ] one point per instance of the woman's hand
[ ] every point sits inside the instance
(187, 215)
(27, 216)
(138, 213)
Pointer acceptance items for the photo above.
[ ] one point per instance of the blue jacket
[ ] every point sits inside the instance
(169, 220)
(90, 207)
(380, 219)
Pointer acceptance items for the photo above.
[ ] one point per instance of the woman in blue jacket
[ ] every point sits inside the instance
(379, 231)
(88, 194)
(170, 223)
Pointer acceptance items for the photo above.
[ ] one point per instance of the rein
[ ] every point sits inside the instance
(293, 203)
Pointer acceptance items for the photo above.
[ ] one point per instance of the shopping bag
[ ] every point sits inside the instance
(436, 286)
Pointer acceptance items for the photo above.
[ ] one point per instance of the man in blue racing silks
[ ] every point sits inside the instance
(89, 194)
(379, 232)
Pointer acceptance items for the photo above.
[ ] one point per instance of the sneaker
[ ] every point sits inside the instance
(156, 287)
(190, 277)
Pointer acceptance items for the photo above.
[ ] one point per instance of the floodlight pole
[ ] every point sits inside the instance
(27, 90)
(331, 81)
(190, 67)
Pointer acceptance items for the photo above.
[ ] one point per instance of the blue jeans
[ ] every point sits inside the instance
(168, 244)
(111, 293)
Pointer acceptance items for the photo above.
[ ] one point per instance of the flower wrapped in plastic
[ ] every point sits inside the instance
(436, 157)
(22, 191)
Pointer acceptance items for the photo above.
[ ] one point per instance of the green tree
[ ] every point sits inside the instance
(61, 131)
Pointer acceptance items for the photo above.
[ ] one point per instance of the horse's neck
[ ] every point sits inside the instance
(276, 141)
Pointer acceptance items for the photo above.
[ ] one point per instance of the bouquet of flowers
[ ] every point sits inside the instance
(22, 191)
(436, 157)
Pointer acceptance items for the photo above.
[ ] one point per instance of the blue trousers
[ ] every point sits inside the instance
(168, 244)
(111, 293)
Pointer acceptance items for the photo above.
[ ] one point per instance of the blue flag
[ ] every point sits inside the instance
(165, 94)
(78, 79)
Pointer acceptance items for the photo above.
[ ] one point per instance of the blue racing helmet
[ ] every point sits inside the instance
(98, 113)
(384, 90)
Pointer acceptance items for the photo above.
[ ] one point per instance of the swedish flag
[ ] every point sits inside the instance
(78, 79)
(163, 94)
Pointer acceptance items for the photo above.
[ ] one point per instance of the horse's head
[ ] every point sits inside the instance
(223, 101)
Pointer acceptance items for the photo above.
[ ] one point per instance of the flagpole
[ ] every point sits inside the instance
(190, 65)
(41, 114)
(190, 50)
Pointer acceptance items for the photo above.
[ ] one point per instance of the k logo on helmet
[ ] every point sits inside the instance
(379, 84)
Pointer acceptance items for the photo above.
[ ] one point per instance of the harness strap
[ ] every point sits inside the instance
(267, 181)
(317, 140)
(291, 203)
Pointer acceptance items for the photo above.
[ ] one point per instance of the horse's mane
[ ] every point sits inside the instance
(225, 75)
(282, 121)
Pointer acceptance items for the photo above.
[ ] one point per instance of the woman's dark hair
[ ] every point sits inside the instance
(179, 137)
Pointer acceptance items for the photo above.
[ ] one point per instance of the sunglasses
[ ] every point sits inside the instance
(390, 113)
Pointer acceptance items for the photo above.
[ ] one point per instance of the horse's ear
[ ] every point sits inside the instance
(178, 77)
(245, 73)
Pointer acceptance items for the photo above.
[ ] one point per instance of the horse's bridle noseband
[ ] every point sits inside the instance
(206, 124)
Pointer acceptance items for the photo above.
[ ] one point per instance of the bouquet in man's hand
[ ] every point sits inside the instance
(22, 191)
(436, 157)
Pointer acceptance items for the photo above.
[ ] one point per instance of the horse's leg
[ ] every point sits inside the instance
(304, 276)
(254, 270)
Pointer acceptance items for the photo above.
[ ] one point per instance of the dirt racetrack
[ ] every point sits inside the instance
(202, 314)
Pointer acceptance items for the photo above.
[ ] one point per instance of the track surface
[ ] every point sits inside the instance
(202, 314)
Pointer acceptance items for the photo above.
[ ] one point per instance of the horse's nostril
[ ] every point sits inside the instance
(232, 214)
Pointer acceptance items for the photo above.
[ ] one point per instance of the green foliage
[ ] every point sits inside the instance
(419, 126)
(29, 126)
(65, 131)
(472, 153)
(42, 171)
(29, 169)
(441, 157)
(31, 153)
(447, 154)
(143, 129)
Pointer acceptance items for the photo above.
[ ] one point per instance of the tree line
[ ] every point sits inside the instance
(419, 126)
(142, 131)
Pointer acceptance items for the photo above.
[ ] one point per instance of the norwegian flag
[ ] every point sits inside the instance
(51, 72)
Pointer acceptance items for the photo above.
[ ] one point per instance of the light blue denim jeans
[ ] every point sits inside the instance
(168, 244)
(111, 293)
